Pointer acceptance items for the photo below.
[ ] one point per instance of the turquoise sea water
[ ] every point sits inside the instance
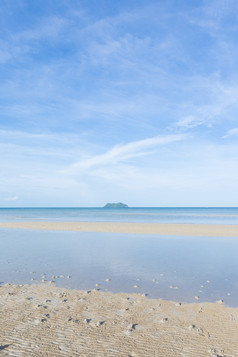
(176, 268)
(227, 215)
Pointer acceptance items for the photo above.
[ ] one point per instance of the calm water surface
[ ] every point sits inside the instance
(164, 267)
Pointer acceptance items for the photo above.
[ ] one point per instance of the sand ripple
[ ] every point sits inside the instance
(40, 320)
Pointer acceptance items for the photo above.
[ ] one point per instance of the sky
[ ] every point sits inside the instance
(106, 101)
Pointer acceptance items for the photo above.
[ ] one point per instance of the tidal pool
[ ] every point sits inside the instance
(174, 268)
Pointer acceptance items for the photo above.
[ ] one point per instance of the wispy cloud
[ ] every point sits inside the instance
(122, 153)
(230, 132)
(12, 199)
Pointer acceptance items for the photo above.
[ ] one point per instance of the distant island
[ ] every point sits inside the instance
(115, 205)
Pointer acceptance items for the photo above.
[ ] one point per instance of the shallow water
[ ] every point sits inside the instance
(225, 215)
(178, 266)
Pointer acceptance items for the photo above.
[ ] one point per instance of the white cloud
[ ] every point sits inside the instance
(122, 153)
(231, 132)
(12, 199)
(188, 122)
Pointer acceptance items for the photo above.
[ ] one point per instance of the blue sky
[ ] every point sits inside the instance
(105, 101)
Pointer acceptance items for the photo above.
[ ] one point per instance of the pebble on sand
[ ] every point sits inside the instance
(100, 323)
(132, 326)
(86, 321)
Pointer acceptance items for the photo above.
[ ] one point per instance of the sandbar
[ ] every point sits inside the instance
(202, 230)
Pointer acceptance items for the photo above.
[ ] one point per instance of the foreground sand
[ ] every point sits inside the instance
(42, 320)
(209, 230)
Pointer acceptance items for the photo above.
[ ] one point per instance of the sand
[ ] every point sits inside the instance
(42, 320)
(209, 230)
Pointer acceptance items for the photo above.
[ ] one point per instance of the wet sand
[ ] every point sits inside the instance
(42, 320)
(202, 230)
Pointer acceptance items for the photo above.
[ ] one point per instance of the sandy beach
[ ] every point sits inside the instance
(202, 230)
(42, 320)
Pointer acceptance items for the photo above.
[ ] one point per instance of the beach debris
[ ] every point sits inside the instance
(191, 327)
(136, 286)
(107, 280)
(196, 297)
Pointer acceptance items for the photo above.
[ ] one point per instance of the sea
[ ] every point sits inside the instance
(178, 268)
(217, 215)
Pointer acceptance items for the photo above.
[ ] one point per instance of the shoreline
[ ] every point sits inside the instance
(38, 320)
(177, 229)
